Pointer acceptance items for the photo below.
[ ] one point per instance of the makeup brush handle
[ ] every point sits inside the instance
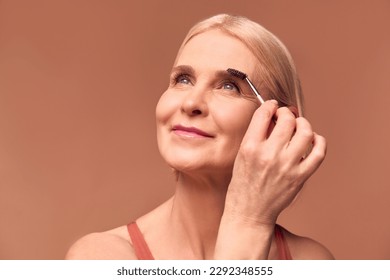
(253, 88)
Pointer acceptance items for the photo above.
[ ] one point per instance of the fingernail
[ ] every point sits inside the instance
(274, 101)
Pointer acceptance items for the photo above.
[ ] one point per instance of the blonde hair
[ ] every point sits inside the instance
(276, 76)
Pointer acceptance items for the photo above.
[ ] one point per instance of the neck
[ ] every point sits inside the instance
(196, 212)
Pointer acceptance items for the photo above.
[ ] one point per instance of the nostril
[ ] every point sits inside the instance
(196, 112)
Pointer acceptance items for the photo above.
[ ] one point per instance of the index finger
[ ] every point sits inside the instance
(261, 120)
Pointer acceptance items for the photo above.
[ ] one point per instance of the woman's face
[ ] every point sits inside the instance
(203, 115)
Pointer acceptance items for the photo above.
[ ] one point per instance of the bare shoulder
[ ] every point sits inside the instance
(109, 245)
(304, 248)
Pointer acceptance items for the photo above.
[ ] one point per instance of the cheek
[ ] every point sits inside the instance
(234, 120)
(166, 107)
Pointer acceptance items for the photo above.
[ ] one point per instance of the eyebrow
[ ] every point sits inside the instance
(190, 70)
(183, 68)
(218, 74)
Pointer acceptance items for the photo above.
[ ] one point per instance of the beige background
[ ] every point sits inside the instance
(79, 81)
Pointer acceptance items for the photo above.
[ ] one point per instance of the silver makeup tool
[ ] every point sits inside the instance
(244, 76)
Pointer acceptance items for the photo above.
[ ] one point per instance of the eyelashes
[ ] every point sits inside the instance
(182, 79)
(231, 85)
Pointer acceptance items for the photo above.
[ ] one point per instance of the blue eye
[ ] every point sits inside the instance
(182, 79)
(230, 86)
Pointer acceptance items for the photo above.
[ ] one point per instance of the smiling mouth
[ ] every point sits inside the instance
(190, 131)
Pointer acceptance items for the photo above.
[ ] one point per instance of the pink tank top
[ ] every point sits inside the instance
(143, 253)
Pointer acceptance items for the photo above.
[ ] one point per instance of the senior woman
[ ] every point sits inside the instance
(238, 165)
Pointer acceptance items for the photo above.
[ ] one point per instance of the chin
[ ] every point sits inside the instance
(200, 168)
(197, 160)
(184, 164)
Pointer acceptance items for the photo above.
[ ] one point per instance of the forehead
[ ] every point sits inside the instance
(216, 50)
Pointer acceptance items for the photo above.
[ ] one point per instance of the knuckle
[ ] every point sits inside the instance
(291, 178)
(286, 111)
(322, 139)
(263, 163)
(290, 121)
(266, 111)
(307, 133)
(319, 154)
(285, 171)
(285, 116)
(289, 117)
(266, 159)
(263, 114)
(248, 148)
(303, 121)
(323, 144)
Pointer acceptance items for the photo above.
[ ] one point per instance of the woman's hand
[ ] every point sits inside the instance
(271, 168)
(269, 171)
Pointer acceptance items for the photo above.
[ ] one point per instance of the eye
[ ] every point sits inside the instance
(230, 86)
(183, 79)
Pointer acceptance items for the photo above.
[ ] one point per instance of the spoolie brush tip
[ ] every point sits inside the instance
(237, 73)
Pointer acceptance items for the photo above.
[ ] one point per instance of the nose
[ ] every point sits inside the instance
(195, 102)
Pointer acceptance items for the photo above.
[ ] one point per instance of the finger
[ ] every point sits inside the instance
(294, 110)
(258, 127)
(310, 164)
(284, 127)
(302, 140)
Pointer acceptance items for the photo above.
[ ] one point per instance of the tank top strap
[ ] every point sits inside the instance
(281, 244)
(140, 247)
(142, 250)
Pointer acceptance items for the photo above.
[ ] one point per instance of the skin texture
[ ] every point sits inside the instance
(233, 183)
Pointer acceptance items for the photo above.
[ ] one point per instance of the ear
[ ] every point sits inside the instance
(294, 110)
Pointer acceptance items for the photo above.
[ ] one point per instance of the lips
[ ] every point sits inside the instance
(190, 131)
